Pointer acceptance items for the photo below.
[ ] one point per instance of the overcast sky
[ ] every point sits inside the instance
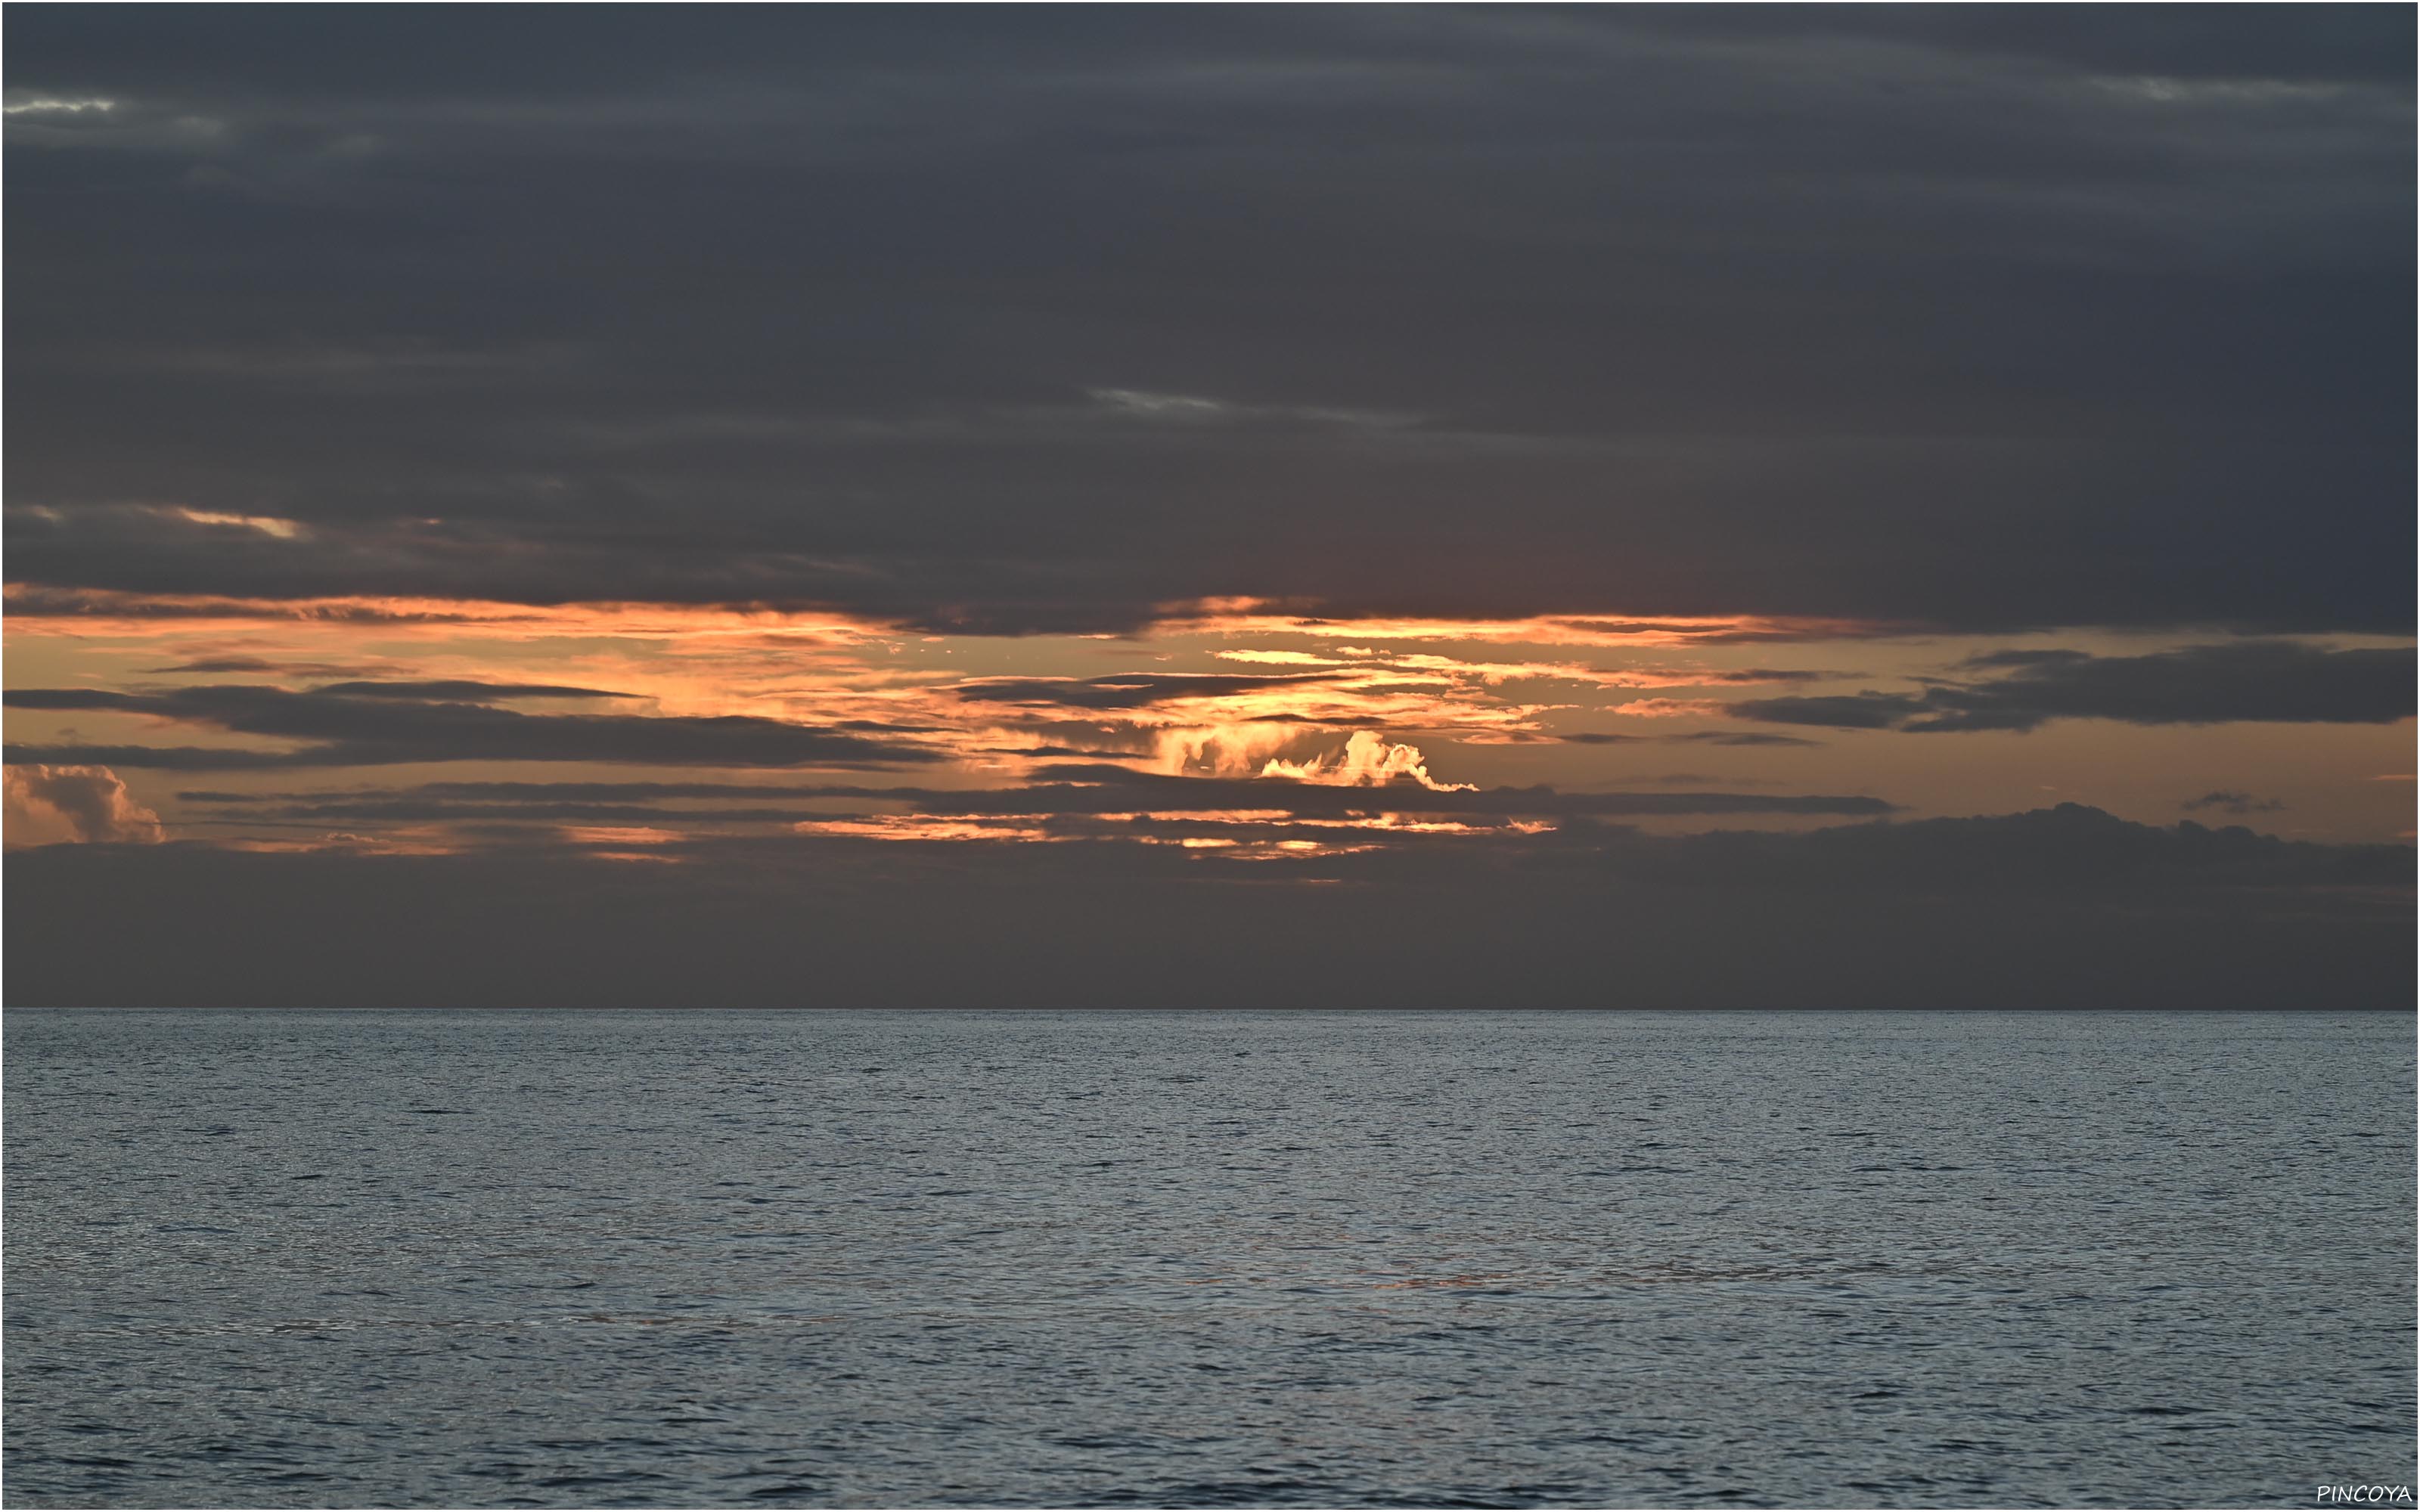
(812, 504)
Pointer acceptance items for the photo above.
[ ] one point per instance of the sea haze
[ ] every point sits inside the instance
(270, 1258)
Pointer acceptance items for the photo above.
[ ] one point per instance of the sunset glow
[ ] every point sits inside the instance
(233, 721)
(1210, 756)
(871, 497)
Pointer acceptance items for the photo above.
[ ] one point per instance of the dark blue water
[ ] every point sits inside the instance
(1347, 1258)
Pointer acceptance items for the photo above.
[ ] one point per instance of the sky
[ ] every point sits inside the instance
(1288, 506)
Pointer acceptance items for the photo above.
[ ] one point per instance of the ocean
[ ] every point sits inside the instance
(1266, 1258)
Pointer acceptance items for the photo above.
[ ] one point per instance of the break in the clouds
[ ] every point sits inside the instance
(1260, 497)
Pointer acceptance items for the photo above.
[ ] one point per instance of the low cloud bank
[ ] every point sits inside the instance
(2058, 908)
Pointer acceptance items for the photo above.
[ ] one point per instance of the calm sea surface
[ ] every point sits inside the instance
(1487, 1259)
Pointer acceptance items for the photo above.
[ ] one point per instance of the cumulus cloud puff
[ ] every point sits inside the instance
(57, 805)
(1366, 759)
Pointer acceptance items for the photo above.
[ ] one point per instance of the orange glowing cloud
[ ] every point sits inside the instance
(933, 827)
(283, 530)
(1365, 761)
(1252, 617)
(1230, 691)
(1670, 708)
(88, 805)
(618, 835)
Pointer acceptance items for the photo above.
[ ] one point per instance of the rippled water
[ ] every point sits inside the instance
(691, 1258)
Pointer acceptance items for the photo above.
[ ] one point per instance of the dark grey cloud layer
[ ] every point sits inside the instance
(1025, 318)
(1069, 790)
(2273, 681)
(2059, 908)
(1082, 788)
(2227, 800)
(346, 726)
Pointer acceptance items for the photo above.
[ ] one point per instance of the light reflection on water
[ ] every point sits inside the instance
(493, 1259)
